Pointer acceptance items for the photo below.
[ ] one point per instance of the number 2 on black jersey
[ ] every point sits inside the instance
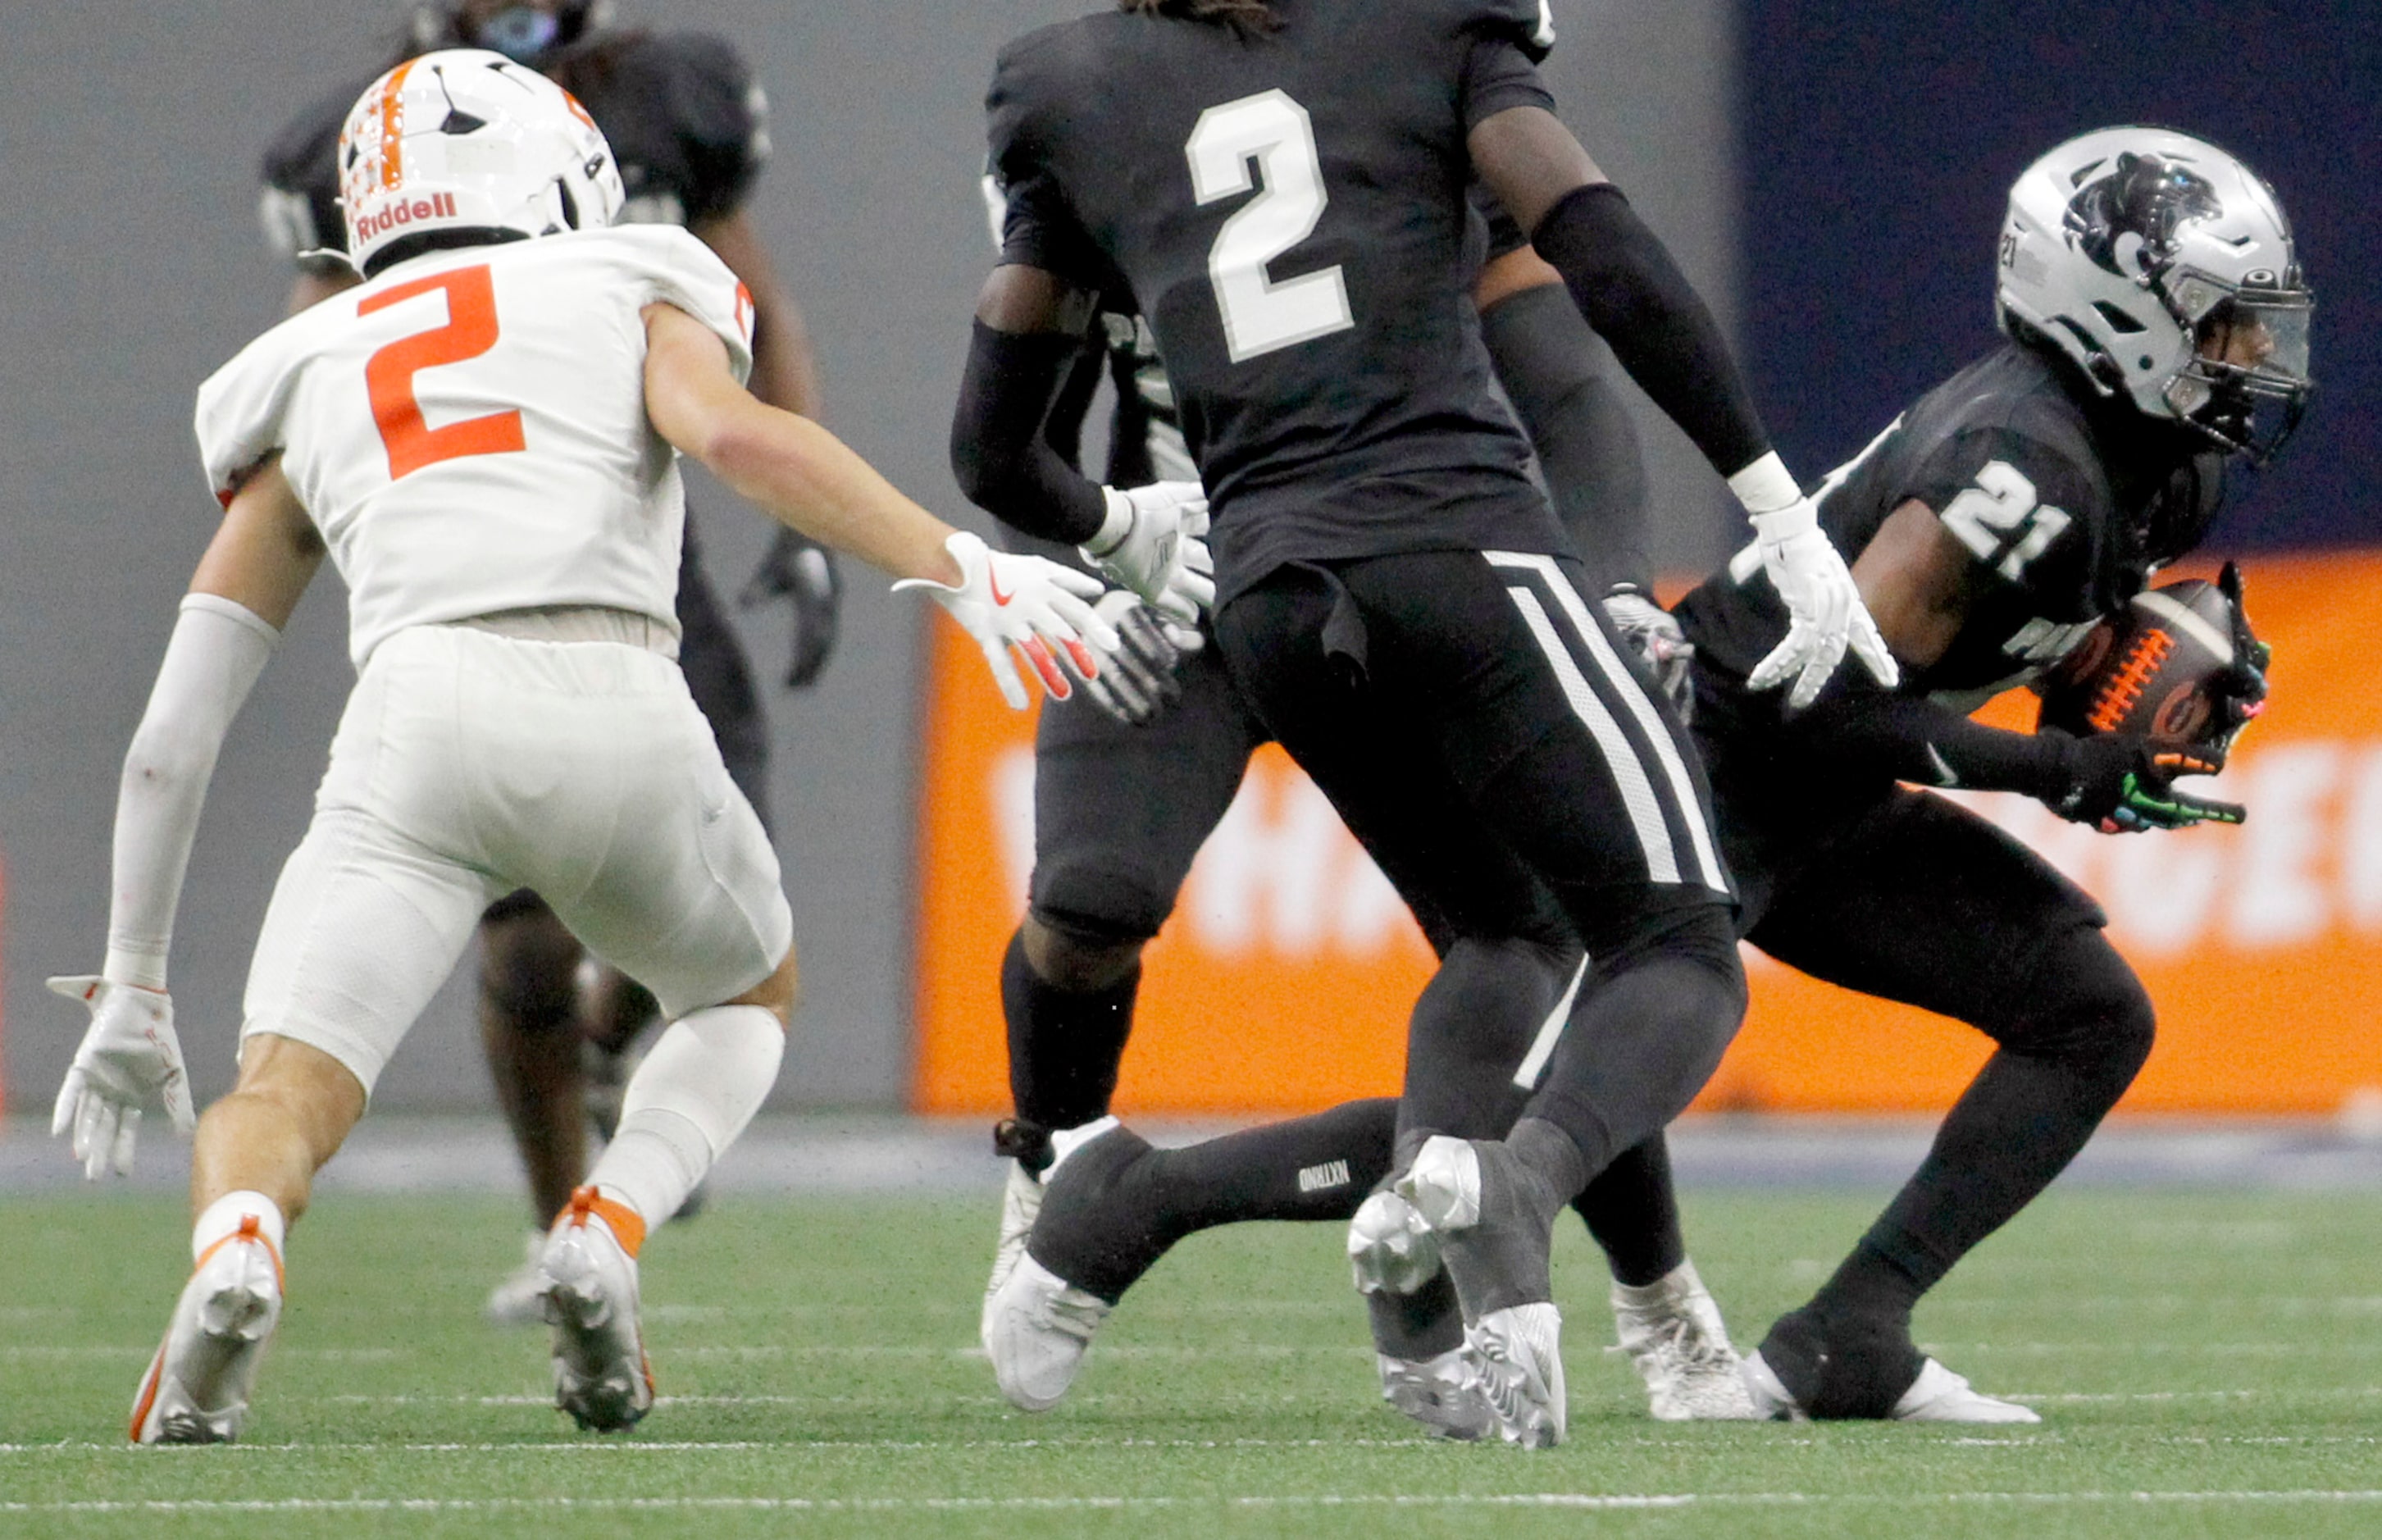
(1260, 314)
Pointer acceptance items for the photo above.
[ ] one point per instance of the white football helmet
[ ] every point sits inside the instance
(465, 144)
(2135, 251)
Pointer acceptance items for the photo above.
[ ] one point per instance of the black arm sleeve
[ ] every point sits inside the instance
(999, 453)
(1546, 359)
(1639, 300)
(1913, 739)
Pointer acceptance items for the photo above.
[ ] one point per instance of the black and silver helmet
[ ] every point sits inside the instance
(2165, 268)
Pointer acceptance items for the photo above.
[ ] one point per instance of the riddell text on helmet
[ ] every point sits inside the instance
(439, 205)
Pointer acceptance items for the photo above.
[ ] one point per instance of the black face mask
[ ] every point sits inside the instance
(523, 33)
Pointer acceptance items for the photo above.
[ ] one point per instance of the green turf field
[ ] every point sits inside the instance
(2206, 1365)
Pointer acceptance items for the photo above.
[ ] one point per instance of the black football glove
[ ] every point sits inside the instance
(1139, 682)
(800, 572)
(2120, 784)
(2240, 693)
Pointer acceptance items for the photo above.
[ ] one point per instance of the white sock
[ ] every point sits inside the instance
(1672, 1287)
(223, 1215)
(688, 1101)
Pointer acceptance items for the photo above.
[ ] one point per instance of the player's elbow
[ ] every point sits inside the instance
(167, 755)
(990, 473)
(749, 451)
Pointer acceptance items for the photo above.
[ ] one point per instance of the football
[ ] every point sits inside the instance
(2150, 669)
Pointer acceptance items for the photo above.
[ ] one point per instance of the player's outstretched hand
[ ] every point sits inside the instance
(1654, 633)
(129, 1062)
(1825, 612)
(1154, 543)
(1139, 683)
(2121, 784)
(1040, 607)
(801, 572)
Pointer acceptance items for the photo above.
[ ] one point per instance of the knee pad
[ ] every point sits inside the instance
(1094, 908)
(1699, 930)
(2079, 1004)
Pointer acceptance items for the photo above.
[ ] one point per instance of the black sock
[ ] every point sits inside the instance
(1472, 1025)
(1841, 1367)
(1420, 1326)
(2015, 1129)
(1064, 1046)
(1645, 1035)
(1116, 1205)
(1633, 1211)
(1524, 1181)
(1554, 1156)
(1870, 1286)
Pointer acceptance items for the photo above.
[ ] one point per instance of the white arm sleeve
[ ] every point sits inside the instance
(217, 650)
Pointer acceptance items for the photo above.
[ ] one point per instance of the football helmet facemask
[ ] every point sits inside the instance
(466, 145)
(2165, 268)
(524, 33)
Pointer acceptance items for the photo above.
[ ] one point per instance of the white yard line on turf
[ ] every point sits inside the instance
(1589, 1500)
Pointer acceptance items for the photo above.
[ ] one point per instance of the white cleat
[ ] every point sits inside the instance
(1673, 1332)
(1940, 1395)
(1517, 1351)
(1442, 1394)
(1390, 1250)
(1021, 1202)
(1036, 1327)
(589, 1295)
(519, 1299)
(1936, 1395)
(1518, 1354)
(196, 1389)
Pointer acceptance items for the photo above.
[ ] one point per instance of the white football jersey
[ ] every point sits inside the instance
(469, 429)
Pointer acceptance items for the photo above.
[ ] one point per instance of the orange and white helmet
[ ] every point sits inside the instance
(465, 145)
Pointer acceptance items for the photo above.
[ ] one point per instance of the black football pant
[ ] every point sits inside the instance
(1120, 814)
(1492, 744)
(1915, 899)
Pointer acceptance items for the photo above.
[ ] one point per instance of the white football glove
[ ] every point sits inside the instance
(1040, 607)
(1825, 612)
(129, 1061)
(1139, 682)
(1151, 543)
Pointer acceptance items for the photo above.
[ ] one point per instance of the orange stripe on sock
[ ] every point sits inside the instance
(627, 1228)
(147, 1398)
(251, 1227)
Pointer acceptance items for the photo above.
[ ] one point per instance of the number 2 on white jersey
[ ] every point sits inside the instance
(470, 330)
(1262, 316)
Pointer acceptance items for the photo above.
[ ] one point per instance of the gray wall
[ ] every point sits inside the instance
(130, 266)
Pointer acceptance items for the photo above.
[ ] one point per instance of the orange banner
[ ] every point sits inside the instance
(1284, 980)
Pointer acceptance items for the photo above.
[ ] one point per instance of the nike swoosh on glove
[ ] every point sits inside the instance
(129, 1061)
(1153, 543)
(1040, 607)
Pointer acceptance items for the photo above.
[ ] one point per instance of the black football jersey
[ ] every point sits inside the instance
(688, 127)
(1289, 214)
(2049, 492)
